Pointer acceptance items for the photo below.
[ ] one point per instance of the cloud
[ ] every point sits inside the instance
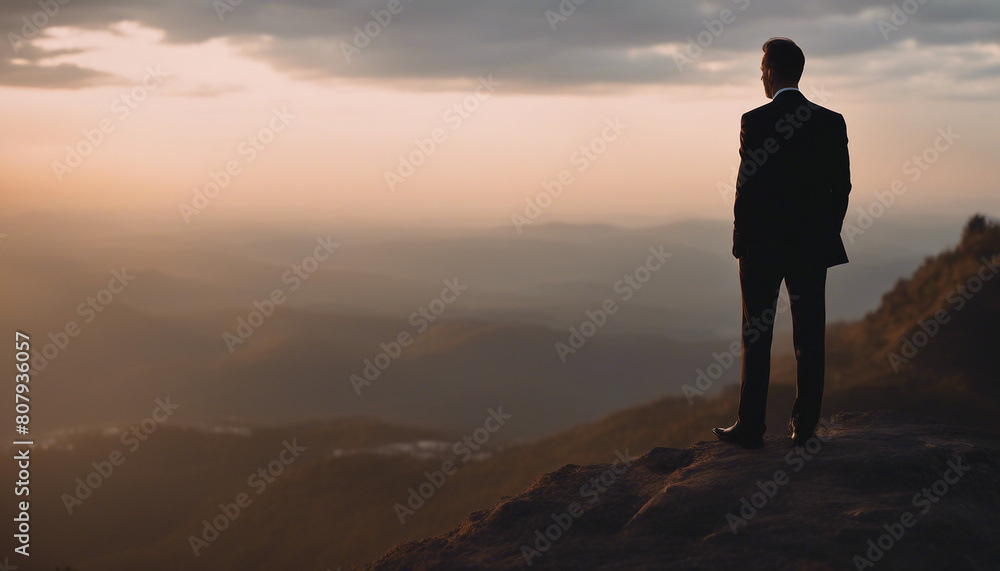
(209, 90)
(620, 43)
(64, 76)
(34, 67)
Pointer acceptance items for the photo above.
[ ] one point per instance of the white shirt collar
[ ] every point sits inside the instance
(784, 89)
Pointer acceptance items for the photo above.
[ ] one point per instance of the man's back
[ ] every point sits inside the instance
(791, 193)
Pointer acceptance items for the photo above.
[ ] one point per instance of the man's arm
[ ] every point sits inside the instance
(840, 176)
(744, 194)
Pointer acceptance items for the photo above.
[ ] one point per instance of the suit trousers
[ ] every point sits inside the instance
(760, 280)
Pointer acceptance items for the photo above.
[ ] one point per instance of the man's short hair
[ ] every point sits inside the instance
(784, 59)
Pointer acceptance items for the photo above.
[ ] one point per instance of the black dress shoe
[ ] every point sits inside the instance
(736, 435)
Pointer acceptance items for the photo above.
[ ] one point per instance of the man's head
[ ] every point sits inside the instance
(781, 65)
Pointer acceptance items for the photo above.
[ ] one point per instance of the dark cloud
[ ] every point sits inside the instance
(32, 68)
(63, 76)
(601, 42)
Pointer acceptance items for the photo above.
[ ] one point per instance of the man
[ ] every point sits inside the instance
(791, 199)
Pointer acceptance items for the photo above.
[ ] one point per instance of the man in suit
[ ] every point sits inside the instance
(791, 199)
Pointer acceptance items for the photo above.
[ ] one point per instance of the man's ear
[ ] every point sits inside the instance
(769, 84)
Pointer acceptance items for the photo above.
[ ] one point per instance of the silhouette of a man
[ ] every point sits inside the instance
(791, 199)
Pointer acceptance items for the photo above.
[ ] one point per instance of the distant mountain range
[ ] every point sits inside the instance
(163, 335)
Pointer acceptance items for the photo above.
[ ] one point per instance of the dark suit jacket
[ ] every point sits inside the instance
(794, 179)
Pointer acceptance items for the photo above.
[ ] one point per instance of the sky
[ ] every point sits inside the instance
(475, 112)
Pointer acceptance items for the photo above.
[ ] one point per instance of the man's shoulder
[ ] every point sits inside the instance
(758, 112)
(771, 109)
(763, 114)
(828, 113)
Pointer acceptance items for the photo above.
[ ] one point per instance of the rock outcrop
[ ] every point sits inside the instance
(872, 490)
